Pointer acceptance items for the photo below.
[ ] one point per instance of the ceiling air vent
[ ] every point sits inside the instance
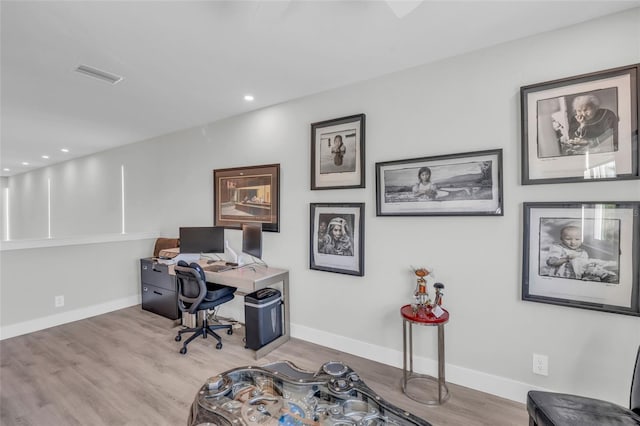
(99, 74)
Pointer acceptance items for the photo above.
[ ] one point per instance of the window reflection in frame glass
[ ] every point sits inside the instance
(583, 254)
(582, 128)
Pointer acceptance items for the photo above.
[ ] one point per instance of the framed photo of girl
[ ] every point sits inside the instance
(465, 184)
(337, 238)
(581, 128)
(583, 255)
(337, 153)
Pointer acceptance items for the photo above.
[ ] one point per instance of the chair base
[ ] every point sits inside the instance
(550, 409)
(204, 331)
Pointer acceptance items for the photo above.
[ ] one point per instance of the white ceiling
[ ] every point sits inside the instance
(187, 63)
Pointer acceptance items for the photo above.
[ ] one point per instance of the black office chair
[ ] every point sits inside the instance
(195, 294)
(548, 408)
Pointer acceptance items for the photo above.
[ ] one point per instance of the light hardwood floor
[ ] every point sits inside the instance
(123, 368)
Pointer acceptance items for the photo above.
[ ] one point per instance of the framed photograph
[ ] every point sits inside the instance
(337, 238)
(337, 153)
(582, 128)
(247, 195)
(468, 184)
(583, 255)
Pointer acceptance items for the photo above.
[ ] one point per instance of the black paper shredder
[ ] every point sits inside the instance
(262, 317)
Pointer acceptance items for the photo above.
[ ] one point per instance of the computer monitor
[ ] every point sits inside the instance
(205, 239)
(252, 239)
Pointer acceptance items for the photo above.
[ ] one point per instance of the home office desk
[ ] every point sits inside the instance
(248, 279)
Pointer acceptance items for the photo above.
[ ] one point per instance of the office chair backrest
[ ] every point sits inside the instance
(634, 403)
(192, 287)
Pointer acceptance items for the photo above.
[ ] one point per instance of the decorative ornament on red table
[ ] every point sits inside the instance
(423, 306)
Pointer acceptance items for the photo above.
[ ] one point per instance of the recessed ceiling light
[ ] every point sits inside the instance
(99, 74)
(6, 169)
(64, 150)
(24, 163)
(46, 157)
(248, 98)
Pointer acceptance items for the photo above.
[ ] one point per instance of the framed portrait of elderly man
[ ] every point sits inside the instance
(337, 238)
(582, 128)
(583, 255)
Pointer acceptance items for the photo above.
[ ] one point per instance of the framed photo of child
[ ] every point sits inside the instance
(581, 128)
(465, 184)
(337, 238)
(337, 153)
(583, 255)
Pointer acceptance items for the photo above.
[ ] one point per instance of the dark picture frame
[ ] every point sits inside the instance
(465, 184)
(247, 195)
(582, 255)
(337, 153)
(582, 128)
(337, 238)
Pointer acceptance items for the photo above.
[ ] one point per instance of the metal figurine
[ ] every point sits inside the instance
(423, 304)
(421, 294)
(439, 293)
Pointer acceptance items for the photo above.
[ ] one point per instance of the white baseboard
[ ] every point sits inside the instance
(489, 383)
(37, 324)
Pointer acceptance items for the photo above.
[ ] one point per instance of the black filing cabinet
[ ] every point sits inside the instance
(159, 291)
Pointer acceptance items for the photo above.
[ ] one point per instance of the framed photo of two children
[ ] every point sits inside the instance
(581, 128)
(583, 254)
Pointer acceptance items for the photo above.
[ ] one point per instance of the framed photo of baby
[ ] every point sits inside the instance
(337, 153)
(583, 255)
(581, 128)
(337, 238)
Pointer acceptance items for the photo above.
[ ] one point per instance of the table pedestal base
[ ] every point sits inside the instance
(408, 375)
(443, 392)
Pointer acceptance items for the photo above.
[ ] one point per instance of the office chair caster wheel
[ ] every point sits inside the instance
(178, 338)
(183, 350)
(230, 331)
(219, 345)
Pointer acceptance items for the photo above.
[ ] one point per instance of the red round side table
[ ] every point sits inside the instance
(422, 317)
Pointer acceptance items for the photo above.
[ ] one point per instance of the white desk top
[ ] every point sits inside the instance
(247, 277)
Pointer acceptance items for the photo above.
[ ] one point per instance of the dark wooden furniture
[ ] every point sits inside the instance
(158, 287)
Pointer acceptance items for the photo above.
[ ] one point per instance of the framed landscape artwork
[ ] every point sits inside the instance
(337, 238)
(467, 184)
(581, 128)
(583, 255)
(337, 153)
(247, 195)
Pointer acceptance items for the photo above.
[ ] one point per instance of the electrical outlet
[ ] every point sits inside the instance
(540, 364)
(59, 301)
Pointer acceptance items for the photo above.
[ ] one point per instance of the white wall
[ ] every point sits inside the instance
(463, 104)
(93, 278)
(4, 186)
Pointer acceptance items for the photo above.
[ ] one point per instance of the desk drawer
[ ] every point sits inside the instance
(160, 301)
(157, 274)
